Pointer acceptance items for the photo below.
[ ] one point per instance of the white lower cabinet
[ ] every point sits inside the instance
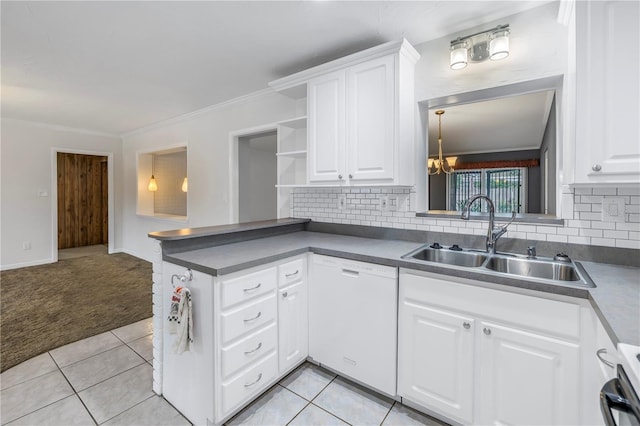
(250, 328)
(436, 356)
(525, 378)
(353, 320)
(293, 315)
(483, 356)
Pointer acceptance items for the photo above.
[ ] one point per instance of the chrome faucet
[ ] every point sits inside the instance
(493, 233)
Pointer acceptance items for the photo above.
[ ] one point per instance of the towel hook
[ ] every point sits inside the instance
(187, 276)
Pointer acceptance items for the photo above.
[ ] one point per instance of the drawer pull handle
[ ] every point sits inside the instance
(466, 325)
(248, 385)
(599, 354)
(254, 318)
(487, 331)
(252, 288)
(253, 350)
(285, 294)
(291, 274)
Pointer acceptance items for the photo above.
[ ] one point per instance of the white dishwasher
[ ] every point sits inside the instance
(353, 317)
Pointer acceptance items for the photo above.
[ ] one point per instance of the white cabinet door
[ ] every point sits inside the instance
(526, 378)
(371, 120)
(293, 325)
(608, 92)
(353, 320)
(435, 361)
(326, 121)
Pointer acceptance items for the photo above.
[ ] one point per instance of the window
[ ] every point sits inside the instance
(506, 187)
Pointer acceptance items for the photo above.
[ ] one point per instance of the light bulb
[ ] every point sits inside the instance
(153, 186)
(499, 45)
(184, 185)
(458, 56)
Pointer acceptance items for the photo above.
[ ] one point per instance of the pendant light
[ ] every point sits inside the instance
(435, 166)
(153, 186)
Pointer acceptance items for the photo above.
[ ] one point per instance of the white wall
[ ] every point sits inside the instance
(27, 159)
(257, 177)
(206, 135)
(538, 48)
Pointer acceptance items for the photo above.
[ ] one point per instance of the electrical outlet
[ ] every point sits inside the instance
(342, 201)
(26, 245)
(393, 202)
(384, 203)
(613, 209)
(403, 203)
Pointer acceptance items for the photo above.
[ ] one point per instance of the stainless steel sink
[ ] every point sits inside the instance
(467, 259)
(560, 269)
(533, 268)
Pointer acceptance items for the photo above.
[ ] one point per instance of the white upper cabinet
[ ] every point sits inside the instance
(371, 120)
(326, 131)
(608, 92)
(361, 114)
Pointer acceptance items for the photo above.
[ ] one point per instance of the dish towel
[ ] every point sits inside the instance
(181, 319)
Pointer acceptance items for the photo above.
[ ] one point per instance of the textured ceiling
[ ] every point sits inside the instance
(114, 67)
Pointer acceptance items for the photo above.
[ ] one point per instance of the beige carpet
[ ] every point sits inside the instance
(47, 306)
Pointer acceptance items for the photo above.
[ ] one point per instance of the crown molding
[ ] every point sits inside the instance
(60, 128)
(196, 113)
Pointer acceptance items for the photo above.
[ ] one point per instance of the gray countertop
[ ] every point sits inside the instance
(616, 298)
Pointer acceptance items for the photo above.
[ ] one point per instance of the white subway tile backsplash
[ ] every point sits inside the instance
(604, 191)
(591, 233)
(582, 209)
(589, 216)
(623, 235)
(546, 229)
(557, 238)
(579, 240)
(629, 191)
(568, 231)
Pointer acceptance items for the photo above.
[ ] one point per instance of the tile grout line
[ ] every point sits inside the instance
(75, 393)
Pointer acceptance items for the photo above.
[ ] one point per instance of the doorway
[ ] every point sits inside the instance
(257, 177)
(82, 200)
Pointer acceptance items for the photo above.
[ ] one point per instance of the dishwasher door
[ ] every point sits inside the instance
(353, 320)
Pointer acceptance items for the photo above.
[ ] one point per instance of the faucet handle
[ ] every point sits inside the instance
(531, 252)
(499, 230)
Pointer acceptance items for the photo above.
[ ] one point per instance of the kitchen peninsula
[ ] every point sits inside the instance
(286, 254)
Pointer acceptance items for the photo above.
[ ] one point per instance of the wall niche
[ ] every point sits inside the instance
(168, 198)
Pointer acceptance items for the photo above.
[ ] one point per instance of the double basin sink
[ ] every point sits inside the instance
(559, 269)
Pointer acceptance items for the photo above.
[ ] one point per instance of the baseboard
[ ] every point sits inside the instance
(26, 264)
(131, 253)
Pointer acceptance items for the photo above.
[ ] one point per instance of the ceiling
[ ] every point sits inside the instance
(114, 67)
(506, 124)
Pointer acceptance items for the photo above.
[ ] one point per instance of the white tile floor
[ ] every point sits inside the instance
(106, 379)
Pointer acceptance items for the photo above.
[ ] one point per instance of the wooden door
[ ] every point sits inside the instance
(82, 200)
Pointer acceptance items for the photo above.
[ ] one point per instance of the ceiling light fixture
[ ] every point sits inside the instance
(490, 44)
(435, 166)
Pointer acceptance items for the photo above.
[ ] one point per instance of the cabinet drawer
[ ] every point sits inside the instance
(245, 287)
(250, 317)
(291, 272)
(248, 384)
(249, 349)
